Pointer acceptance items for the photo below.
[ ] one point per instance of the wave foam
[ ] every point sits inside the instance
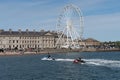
(103, 62)
(45, 58)
(97, 62)
(58, 59)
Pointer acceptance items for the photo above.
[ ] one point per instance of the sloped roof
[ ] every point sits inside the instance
(27, 33)
(91, 40)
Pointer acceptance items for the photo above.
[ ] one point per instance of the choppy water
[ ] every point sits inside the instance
(98, 66)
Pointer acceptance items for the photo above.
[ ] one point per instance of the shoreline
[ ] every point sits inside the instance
(59, 51)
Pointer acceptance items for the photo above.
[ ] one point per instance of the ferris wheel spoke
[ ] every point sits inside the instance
(70, 24)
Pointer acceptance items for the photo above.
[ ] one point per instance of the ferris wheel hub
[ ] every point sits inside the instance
(70, 23)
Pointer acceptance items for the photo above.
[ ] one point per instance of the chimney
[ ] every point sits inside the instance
(34, 30)
(19, 30)
(42, 30)
(1, 30)
(10, 30)
(27, 31)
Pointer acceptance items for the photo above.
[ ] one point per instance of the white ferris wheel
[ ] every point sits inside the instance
(69, 27)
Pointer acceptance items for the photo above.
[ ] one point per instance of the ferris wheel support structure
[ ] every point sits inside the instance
(70, 26)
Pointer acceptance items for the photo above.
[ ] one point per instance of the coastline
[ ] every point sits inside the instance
(59, 51)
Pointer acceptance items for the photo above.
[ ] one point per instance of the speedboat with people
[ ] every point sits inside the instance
(78, 60)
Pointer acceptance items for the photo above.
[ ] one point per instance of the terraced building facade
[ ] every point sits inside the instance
(27, 39)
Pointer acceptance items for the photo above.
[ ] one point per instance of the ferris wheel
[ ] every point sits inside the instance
(69, 26)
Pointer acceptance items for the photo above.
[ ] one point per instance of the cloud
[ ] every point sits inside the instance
(27, 13)
(101, 17)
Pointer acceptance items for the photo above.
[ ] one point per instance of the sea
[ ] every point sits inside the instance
(97, 66)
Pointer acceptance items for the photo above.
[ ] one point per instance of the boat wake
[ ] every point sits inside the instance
(103, 62)
(58, 59)
(96, 62)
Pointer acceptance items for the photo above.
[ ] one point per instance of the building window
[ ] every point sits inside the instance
(13, 41)
(9, 41)
(17, 41)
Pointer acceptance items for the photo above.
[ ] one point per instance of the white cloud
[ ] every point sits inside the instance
(44, 13)
(28, 13)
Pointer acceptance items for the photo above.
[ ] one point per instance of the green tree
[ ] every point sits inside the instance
(117, 44)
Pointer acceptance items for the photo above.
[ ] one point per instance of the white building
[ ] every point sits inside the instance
(27, 39)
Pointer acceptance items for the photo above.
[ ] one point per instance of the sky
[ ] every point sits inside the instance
(101, 17)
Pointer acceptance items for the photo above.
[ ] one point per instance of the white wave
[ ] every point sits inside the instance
(58, 59)
(64, 59)
(103, 62)
(96, 62)
(45, 58)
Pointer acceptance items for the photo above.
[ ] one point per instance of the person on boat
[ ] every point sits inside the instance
(48, 56)
(78, 60)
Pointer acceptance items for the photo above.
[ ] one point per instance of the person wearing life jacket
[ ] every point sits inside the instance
(48, 56)
(78, 60)
(75, 61)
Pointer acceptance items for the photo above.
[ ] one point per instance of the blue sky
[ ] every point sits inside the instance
(101, 17)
